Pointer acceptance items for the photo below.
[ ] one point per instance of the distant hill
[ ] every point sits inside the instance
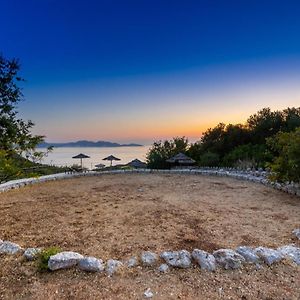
(87, 144)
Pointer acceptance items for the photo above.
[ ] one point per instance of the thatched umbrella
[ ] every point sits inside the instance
(81, 156)
(181, 159)
(111, 158)
(136, 163)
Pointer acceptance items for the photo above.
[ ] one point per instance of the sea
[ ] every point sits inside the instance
(62, 156)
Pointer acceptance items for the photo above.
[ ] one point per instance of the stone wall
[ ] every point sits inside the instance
(249, 175)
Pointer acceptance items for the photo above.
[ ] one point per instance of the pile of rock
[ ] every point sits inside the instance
(222, 258)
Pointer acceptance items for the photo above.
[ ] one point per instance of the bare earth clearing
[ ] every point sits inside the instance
(117, 216)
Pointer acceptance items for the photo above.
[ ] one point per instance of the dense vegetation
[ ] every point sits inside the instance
(267, 139)
(18, 155)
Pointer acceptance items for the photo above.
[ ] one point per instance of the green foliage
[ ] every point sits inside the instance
(244, 145)
(209, 159)
(16, 139)
(161, 151)
(286, 164)
(247, 156)
(44, 256)
(14, 132)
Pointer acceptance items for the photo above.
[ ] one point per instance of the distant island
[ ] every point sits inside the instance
(87, 144)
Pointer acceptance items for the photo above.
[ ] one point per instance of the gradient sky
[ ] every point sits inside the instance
(140, 71)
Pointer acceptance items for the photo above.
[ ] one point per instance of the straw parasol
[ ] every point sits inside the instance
(111, 158)
(81, 156)
(181, 159)
(136, 163)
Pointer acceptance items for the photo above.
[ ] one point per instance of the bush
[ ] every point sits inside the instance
(209, 159)
(44, 256)
(286, 164)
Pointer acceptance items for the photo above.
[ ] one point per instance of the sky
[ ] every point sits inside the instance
(139, 71)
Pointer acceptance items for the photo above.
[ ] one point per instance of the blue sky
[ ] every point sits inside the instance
(145, 70)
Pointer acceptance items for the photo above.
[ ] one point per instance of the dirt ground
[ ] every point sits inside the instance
(118, 216)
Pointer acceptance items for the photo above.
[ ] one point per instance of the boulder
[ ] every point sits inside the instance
(228, 259)
(163, 268)
(91, 264)
(205, 260)
(7, 247)
(178, 259)
(64, 260)
(268, 255)
(149, 258)
(112, 266)
(132, 262)
(291, 252)
(296, 232)
(248, 253)
(31, 253)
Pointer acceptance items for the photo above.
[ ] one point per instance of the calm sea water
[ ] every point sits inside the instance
(63, 156)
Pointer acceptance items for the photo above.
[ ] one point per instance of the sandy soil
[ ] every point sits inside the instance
(117, 216)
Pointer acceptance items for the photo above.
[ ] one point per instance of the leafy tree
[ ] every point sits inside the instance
(286, 165)
(161, 151)
(16, 139)
(14, 132)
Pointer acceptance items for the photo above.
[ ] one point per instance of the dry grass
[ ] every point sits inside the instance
(117, 216)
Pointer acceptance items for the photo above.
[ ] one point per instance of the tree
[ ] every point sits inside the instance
(161, 151)
(16, 139)
(15, 135)
(286, 164)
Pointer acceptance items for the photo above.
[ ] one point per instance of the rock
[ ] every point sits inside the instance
(91, 264)
(112, 266)
(205, 260)
(64, 260)
(132, 262)
(228, 259)
(31, 253)
(149, 258)
(296, 232)
(163, 268)
(248, 253)
(179, 259)
(9, 248)
(148, 293)
(268, 255)
(292, 252)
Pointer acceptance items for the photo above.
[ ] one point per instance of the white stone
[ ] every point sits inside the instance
(7, 247)
(91, 264)
(149, 258)
(179, 259)
(148, 293)
(292, 252)
(112, 266)
(132, 262)
(31, 253)
(163, 268)
(205, 260)
(228, 259)
(296, 232)
(268, 255)
(64, 260)
(248, 253)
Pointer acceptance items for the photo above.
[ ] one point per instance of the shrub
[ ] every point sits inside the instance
(286, 164)
(209, 159)
(44, 256)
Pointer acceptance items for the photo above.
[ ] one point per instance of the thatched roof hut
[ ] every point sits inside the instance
(181, 159)
(136, 163)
